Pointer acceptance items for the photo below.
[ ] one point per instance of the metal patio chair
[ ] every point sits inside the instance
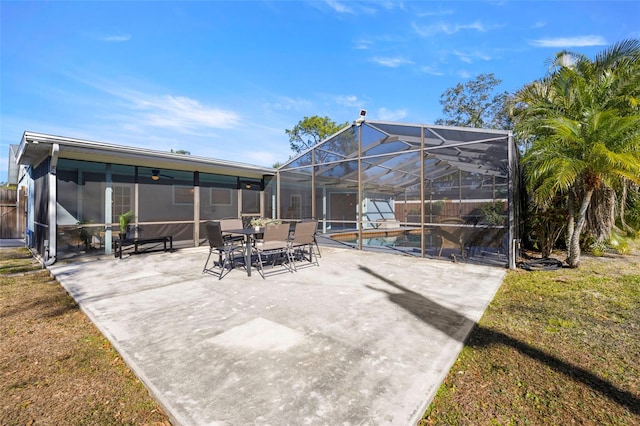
(274, 247)
(315, 233)
(231, 223)
(226, 251)
(303, 242)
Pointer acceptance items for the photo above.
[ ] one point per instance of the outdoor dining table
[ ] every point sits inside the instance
(248, 236)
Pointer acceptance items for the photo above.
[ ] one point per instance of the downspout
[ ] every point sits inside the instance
(53, 203)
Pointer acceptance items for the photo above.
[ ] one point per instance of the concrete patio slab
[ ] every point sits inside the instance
(363, 339)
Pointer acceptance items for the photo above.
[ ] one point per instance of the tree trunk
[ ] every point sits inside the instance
(601, 214)
(623, 206)
(571, 223)
(573, 259)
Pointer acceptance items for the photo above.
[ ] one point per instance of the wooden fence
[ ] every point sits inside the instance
(12, 213)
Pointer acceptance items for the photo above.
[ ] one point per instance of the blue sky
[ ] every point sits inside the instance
(225, 79)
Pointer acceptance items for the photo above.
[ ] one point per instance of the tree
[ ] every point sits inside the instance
(474, 104)
(583, 123)
(180, 151)
(310, 131)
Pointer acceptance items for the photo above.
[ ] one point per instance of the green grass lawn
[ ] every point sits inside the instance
(554, 347)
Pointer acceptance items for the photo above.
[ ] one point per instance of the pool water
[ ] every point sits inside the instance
(409, 239)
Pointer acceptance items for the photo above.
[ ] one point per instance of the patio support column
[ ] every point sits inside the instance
(422, 158)
(431, 201)
(196, 209)
(274, 212)
(263, 212)
(53, 202)
(512, 222)
(108, 211)
(239, 196)
(359, 224)
(324, 209)
(136, 192)
(277, 206)
(80, 193)
(313, 183)
(493, 188)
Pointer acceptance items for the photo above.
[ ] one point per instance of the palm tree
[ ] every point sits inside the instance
(582, 122)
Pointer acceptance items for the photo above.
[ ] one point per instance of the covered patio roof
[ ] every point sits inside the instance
(35, 147)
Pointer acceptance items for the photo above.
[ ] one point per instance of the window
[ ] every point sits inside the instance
(121, 200)
(182, 194)
(220, 196)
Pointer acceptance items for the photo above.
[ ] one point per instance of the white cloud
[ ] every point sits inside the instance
(135, 109)
(436, 13)
(362, 44)
(116, 38)
(579, 41)
(478, 26)
(339, 7)
(385, 114)
(392, 4)
(287, 104)
(431, 70)
(349, 100)
(464, 74)
(179, 112)
(391, 62)
(469, 57)
(442, 27)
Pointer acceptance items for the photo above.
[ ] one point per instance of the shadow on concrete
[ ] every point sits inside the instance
(437, 316)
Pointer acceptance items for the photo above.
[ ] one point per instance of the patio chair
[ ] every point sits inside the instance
(452, 237)
(301, 246)
(315, 232)
(226, 251)
(274, 246)
(231, 223)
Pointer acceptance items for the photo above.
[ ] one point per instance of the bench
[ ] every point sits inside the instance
(137, 242)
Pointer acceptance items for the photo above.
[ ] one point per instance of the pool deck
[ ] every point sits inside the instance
(363, 339)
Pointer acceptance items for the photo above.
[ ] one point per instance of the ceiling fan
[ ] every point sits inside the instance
(155, 175)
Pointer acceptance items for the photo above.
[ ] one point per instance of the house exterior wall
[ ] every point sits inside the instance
(166, 206)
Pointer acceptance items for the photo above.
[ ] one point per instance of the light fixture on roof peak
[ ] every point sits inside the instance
(359, 121)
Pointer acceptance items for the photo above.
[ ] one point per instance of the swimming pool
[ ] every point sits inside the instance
(481, 244)
(398, 238)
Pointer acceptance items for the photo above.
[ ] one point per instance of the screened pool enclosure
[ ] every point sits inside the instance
(420, 190)
(428, 191)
